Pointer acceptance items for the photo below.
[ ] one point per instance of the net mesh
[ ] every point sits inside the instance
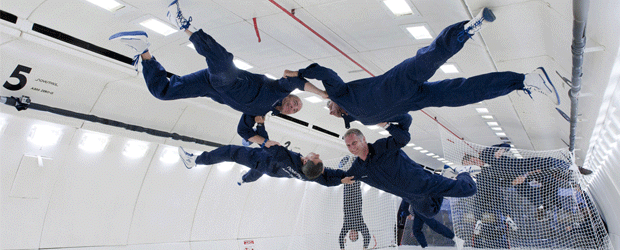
(329, 214)
(525, 199)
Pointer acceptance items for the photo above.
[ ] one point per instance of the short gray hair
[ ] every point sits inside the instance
(353, 131)
(311, 170)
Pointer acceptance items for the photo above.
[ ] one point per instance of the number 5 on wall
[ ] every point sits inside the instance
(17, 73)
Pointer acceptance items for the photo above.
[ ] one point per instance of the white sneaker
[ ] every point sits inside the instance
(477, 23)
(448, 172)
(511, 223)
(240, 180)
(458, 242)
(478, 227)
(137, 40)
(538, 81)
(473, 170)
(189, 159)
(176, 17)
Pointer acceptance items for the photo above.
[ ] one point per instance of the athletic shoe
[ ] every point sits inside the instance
(541, 213)
(240, 180)
(448, 172)
(176, 17)
(189, 159)
(538, 81)
(458, 242)
(511, 223)
(476, 24)
(478, 227)
(137, 40)
(473, 170)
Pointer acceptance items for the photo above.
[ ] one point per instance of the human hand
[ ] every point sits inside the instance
(290, 73)
(259, 119)
(324, 95)
(348, 180)
(410, 217)
(270, 143)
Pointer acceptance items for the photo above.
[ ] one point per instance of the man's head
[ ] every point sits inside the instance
(356, 142)
(313, 166)
(334, 109)
(353, 235)
(472, 160)
(291, 104)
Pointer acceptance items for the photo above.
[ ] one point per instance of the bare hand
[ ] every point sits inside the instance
(289, 73)
(324, 95)
(270, 143)
(259, 119)
(348, 180)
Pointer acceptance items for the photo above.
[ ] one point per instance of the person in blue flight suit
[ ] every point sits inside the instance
(275, 161)
(252, 94)
(406, 88)
(407, 211)
(385, 166)
(353, 220)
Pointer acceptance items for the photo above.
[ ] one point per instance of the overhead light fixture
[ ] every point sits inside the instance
(398, 7)
(158, 26)
(296, 91)
(226, 166)
(325, 107)
(496, 128)
(384, 132)
(430, 154)
(418, 148)
(373, 127)
(169, 155)
(109, 5)
(488, 117)
(242, 65)
(423, 151)
(44, 135)
(135, 149)
(419, 32)
(435, 156)
(313, 99)
(272, 77)
(449, 163)
(492, 123)
(93, 142)
(449, 69)
(482, 110)
(410, 145)
(500, 134)
(441, 159)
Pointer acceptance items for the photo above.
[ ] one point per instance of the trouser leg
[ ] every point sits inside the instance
(177, 87)
(248, 157)
(220, 61)
(463, 91)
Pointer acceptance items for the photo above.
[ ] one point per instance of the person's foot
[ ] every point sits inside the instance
(176, 17)
(538, 81)
(541, 213)
(478, 227)
(137, 40)
(584, 171)
(458, 243)
(189, 159)
(240, 180)
(473, 170)
(511, 223)
(477, 23)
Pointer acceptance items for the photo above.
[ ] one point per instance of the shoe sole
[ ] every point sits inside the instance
(128, 33)
(552, 86)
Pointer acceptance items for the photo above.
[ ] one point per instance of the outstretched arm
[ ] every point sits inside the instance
(332, 82)
(309, 87)
(399, 133)
(258, 136)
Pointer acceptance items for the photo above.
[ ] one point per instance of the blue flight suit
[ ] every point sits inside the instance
(275, 161)
(405, 88)
(418, 224)
(252, 94)
(388, 168)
